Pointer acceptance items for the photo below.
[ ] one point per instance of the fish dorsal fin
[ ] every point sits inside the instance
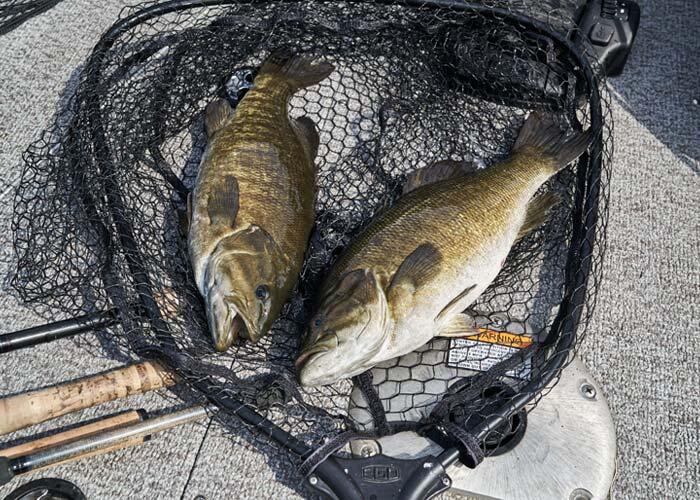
(305, 129)
(414, 271)
(454, 306)
(222, 204)
(216, 116)
(459, 325)
(537, 213)
(435, 172)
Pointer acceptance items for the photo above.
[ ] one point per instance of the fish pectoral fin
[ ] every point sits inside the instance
(415, 270)
(459, 325)
(305, 129)
(537, 213)
(222, 204)
(438, 171)
(216, 116)
(454, 306)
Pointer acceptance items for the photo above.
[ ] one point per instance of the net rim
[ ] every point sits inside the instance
(563, 330)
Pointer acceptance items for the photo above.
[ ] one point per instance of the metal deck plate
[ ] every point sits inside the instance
(567, 452)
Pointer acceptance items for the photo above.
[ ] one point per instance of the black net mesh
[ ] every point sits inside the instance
(98, 211)
(15, 12)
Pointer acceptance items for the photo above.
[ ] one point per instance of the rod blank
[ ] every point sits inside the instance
(86, 430)
(53, 331)
(98, 443)
(106, 440)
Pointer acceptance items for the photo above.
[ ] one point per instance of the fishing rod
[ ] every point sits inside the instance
(22, 410)
(101, 442)
(49, 332)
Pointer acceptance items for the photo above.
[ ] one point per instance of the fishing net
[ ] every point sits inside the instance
(98, 212)
(15, 12)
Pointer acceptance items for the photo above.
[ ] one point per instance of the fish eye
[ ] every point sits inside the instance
(262, 292)
(318, 322)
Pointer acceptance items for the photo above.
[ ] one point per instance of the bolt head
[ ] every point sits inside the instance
(366, 451)
(581, 494)
(446, 481)
(588, 391)
(313, 480)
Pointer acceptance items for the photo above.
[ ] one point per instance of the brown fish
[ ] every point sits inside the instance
(252, 207)
(413, 271)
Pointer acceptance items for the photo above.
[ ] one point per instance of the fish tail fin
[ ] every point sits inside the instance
(301, 71)
(541, 132)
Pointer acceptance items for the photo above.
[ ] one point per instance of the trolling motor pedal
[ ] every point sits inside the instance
(610, 26)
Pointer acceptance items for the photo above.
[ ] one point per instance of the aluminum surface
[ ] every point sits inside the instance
(568, 451)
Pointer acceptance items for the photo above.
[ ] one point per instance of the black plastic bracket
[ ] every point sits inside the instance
(610, 26)
(383, 478)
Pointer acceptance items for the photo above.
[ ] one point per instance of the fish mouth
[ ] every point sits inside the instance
(239, 328)
(225, 331)
(251, 330)
(251, 334)
(224, 340)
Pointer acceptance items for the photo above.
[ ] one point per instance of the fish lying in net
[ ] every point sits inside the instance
(252, 207)
(412, 272)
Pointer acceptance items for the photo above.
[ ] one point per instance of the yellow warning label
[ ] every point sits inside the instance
(502, 338)
(483, 351)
